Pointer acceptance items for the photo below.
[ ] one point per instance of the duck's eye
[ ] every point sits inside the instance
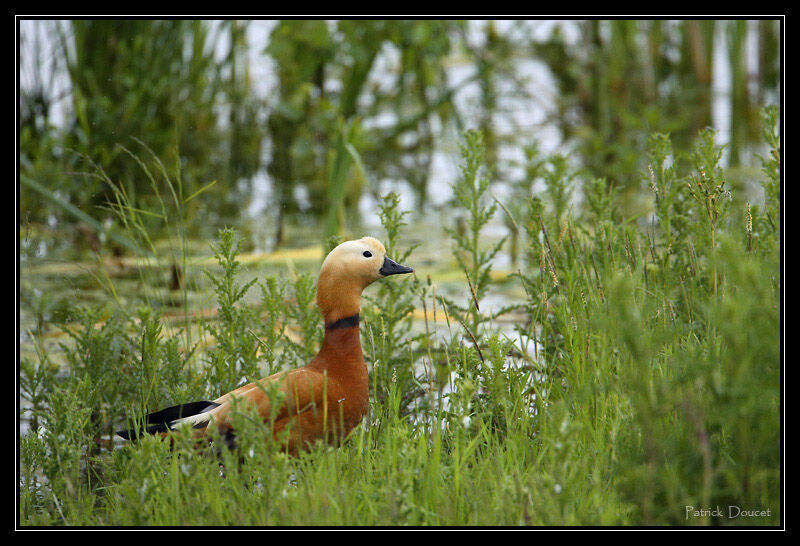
(367, 254)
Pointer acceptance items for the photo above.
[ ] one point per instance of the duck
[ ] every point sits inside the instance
(321, 401)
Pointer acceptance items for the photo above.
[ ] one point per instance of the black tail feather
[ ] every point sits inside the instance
(135, 433)
(159, 421)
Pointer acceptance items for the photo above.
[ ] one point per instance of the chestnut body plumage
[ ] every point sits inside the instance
(327, 398)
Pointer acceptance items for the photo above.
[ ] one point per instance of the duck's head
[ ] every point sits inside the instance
(347, 270)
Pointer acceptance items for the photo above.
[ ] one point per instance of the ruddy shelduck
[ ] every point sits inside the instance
(322, 401)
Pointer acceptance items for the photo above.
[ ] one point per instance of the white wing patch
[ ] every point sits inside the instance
(198, 420)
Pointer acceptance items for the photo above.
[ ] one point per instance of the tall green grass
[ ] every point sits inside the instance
(644, 377)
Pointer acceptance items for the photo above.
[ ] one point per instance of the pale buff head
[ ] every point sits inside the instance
(347, 270)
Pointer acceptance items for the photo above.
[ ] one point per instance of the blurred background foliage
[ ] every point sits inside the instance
(342, 110)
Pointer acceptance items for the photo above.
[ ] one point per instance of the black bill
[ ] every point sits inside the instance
(391, 267)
